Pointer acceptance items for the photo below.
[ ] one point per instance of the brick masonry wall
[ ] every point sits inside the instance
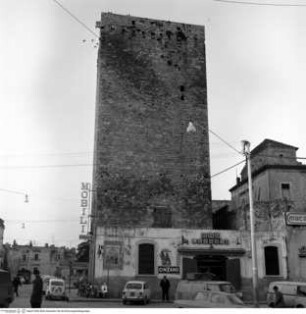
(151, 83)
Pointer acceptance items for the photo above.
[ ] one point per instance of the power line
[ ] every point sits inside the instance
(76, 18)
(261, 3)
(229, 168)
(225, 142)
(12, 191)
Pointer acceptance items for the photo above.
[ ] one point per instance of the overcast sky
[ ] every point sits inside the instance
(256, 68)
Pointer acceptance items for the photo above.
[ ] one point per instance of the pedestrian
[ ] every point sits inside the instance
(103, 290)
(165, 285)
(279, 298)
(37, 291)
(16, 284)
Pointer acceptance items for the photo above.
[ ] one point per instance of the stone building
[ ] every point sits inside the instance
(48, 259)
(2, 249)
(152, 168)
(279, 185)
(151, 140)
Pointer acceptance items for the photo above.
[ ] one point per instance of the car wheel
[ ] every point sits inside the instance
(144, 301)
(124, 302)
(300, 305)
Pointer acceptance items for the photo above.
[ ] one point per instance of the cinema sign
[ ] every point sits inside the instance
(296, 219)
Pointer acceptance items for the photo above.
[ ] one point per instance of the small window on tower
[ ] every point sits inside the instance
(285, 190)
(162, 217)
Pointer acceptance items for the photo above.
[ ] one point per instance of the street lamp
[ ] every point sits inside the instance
(246, 151)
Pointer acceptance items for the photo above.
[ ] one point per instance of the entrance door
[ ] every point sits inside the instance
(233, 272)
(189, 266)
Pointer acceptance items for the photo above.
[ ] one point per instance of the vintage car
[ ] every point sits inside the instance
(136, 291)
(294, 293)
(55, 289)
(188, 289)
(211, 299)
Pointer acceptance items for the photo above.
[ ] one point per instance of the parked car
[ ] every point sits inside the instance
(136, 291)
(211, 299)
(6, 289)
(294, 293)
(46, 279)
(56, 289)
(188, 289)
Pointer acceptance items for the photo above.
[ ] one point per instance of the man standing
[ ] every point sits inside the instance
(37, 292)
(165, 285)
(279, 298)
(16, 284)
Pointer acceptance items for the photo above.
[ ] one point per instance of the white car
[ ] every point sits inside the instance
(212, 299)
(56, 289)
(136, 291)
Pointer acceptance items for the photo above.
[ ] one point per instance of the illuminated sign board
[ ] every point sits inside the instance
(298, 219)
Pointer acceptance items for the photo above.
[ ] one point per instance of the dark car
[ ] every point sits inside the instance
(6, 289)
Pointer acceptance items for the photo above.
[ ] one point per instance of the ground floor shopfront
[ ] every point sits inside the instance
(149, 254)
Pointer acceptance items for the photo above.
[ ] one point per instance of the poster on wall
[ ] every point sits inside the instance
(113, 256)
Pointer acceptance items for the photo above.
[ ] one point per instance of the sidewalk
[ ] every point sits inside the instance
(73, 297)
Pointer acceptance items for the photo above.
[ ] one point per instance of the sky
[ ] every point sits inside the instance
(256, 74)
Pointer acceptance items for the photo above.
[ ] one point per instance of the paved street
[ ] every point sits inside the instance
(23, 301)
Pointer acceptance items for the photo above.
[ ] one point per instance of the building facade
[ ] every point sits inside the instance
(2, 249)
(48, 259)
(279, 185)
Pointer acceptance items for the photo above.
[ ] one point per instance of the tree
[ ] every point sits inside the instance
(82, 254)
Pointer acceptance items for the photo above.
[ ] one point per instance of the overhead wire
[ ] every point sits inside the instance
(262, 3)
(76, 18)
(228, 168)
(225, 142)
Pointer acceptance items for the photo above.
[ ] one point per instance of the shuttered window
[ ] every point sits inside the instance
(146, 259)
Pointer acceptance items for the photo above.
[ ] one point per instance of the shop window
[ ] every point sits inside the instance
(271, 261)
(285, 190)
(146, 259)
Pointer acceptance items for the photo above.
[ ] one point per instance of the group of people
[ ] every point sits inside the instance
(86, 289)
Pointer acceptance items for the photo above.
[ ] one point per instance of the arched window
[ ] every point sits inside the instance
(271, 261)
(146, 259)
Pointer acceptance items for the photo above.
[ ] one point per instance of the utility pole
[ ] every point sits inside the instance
(246, 151)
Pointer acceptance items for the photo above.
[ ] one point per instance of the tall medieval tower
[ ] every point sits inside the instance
(152, 164)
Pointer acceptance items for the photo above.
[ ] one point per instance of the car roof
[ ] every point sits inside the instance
(56, 279)
(213, 282)
(136, 281)
(287, 283)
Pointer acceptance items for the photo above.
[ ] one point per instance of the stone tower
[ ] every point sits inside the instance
(152, 164)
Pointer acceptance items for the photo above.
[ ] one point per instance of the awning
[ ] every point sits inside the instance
(212, 251)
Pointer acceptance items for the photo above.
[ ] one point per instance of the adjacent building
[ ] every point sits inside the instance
(2, 249)
(48, 259)
(279, 182)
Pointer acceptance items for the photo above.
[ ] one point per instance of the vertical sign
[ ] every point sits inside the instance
(85, 190)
